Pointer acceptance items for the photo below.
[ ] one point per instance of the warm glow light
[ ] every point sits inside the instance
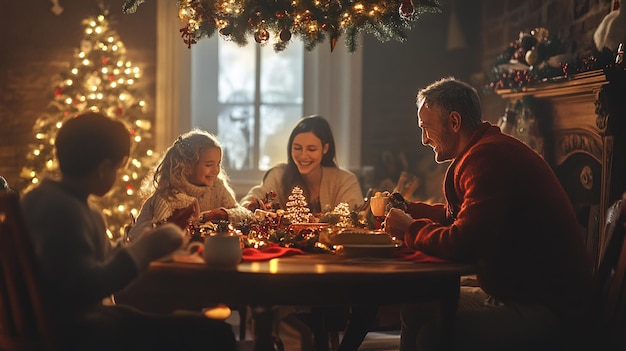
(219, 312)
(40, 135)
(121, 208)
(137, 139)
(74, 70)
(136, 163)
(37, 152)
(85, 62)
(68, 101)
(59, 124)
(149, 153)
(113, 84)
(125, 178)
(273, 266)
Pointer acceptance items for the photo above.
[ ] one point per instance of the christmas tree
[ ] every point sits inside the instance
(297, 207)
(101, 79)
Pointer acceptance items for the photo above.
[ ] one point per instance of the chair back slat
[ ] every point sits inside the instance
(611, 273)
(24, 322)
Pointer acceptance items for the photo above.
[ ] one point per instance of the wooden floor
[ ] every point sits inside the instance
(374, 341)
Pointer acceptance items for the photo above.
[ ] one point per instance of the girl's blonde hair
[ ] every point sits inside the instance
(178, 163)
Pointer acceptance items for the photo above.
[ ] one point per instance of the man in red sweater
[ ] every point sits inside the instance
(506, 212)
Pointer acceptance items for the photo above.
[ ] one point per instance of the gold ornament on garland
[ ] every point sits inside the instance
(309, 20)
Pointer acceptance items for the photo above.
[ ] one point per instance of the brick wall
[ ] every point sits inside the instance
(36, 45)
(572, 21)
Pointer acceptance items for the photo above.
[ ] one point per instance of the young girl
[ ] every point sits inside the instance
(311, 165)
(190, 181)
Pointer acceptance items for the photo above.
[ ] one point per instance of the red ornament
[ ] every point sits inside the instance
(111, 78)
(406, 9)
(58, 92)
(132, 131)
(105, 60)
(119, 111)
(129, 186)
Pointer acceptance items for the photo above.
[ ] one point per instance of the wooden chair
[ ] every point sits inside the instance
(611, 280)
(24, 321)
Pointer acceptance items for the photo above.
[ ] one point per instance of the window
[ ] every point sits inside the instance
(254, 102)
(187, 96)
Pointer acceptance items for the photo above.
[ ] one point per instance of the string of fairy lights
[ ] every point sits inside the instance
(312, 21)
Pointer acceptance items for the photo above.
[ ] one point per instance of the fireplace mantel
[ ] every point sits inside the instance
(578, 124)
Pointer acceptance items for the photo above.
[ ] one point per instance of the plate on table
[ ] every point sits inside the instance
(367, 250)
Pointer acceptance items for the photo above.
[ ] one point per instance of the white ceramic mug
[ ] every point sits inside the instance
(222, 250)
(378, 205)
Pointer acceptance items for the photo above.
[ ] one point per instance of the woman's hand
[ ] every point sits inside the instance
(256, 204)
(217, 214)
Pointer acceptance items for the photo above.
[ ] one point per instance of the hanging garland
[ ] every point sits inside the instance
(312, 21)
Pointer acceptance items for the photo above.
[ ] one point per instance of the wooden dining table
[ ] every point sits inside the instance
(309, 279)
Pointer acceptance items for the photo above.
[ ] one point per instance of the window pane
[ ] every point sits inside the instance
(235, 129)
(276, 123)
(236, 72)
(281, 74)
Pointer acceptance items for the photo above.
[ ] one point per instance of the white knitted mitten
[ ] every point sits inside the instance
(154, 244)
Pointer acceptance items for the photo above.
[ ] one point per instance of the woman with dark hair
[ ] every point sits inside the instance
(312, 166)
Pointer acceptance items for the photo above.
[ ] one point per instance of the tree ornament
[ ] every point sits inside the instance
(261, 36)
(255, 18)
(333, 42)
(227, 31)
(406, 9)
(285, 35)
(532, 56)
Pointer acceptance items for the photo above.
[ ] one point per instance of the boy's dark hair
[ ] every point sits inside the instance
(86, 140)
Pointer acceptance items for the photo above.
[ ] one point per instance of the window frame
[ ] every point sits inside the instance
(333, 90)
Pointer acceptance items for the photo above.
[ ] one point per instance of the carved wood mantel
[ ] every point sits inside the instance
(578, 124)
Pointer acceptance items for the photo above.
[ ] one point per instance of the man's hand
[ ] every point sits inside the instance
(397, 222)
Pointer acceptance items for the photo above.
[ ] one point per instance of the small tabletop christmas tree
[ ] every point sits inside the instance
(297, 208)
